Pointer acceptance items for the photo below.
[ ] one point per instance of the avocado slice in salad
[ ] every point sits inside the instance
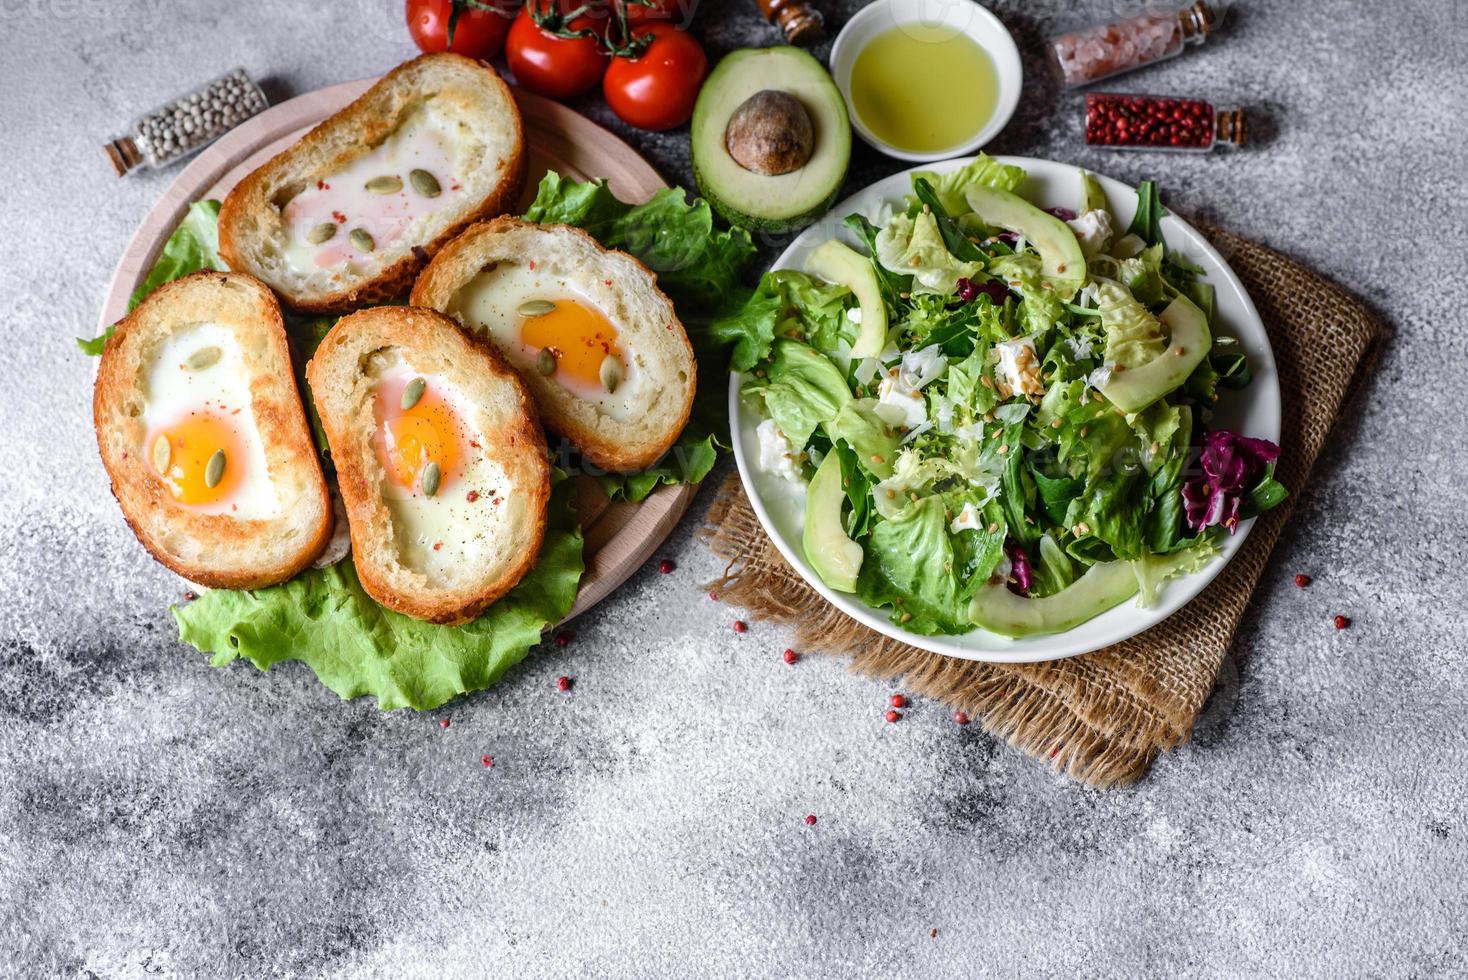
(835, 557)
(770, 139)
(1135, 388)
(1104, 585)
(1093, 198)
(835, 262)
(1061, 259)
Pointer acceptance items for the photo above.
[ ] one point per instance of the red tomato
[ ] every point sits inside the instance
(548, 64)
(478, 33)
(677, 11)
(657, 89)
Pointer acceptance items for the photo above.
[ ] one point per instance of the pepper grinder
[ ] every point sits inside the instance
(800, 21)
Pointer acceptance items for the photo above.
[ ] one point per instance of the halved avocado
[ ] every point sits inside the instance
(835, 262)
(769, 94)
(835, 557)
(1061, 259)
(1000, 611)
(1135, 388)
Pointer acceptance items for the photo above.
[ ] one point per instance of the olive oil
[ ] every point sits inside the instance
(924, 88)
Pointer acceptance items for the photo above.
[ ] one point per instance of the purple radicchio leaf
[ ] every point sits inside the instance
(1022, 574)
(1232, 466)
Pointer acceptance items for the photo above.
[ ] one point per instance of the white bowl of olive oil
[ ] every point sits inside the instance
(927, 79)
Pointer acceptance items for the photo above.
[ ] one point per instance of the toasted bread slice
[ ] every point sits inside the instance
(439, 457)
(202, 369)
(349, 215)
(606, 358)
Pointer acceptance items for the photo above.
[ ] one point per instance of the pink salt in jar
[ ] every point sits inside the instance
(1155, 34)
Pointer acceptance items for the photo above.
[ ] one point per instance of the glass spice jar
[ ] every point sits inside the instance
(1155, 34)
(1155, 122)
(187, 124)
(800, 21)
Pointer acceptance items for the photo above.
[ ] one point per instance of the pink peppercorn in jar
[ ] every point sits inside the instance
(1156, 34)
(1155, 122)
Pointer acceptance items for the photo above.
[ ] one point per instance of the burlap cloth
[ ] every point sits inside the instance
(1104, 717)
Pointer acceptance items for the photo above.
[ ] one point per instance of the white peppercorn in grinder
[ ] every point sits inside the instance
(187, 124)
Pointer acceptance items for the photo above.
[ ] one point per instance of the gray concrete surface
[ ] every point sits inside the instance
(162, 818)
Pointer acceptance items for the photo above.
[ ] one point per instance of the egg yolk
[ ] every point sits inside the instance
(580, 337)
(409, 439)
(191, 444)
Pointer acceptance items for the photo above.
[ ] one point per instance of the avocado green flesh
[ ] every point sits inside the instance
(783, 202)
(1000, 611)
(835, 262)
(1061, 258)
(835, 557)
(1093, 198)
(1135, 388)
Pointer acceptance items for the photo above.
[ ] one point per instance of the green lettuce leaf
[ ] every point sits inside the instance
(1133, 335)
(1142, 274)
(910, 565)
(1041, 306)
(325, 619)
(948, 188)
(801, 389)
(786, 303)
(872, 441)
(699, 267)
(193, 246)
(1147, 221)
(914, 246)
(688, 460)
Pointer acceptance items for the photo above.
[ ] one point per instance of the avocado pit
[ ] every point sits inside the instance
(770, 134)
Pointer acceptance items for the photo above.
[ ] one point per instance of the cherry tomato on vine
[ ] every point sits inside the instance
(478, 27)
(545, 54)
(676, 11)
(656, 89)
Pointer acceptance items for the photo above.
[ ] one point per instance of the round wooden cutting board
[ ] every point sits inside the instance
(620, 536)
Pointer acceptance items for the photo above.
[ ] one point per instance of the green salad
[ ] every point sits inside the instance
(325, 618)
(999, 414)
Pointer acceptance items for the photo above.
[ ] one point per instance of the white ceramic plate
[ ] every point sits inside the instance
(1255, 411)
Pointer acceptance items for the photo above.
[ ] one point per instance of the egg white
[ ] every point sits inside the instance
(426, 140)
(491, 301)
(442, 535)
(174, 392)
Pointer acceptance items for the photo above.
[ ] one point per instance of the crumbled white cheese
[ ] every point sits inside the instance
(919, 367)
(916, 431)
(1019, 368)
(1093, 230)
(969, 433)
(854, 314)
(968, 519)
(1080, 347)
(1098, 378)
(1012, 414)
(1002, 571)
(943, 413)
(776, 455)
(866, 370)
(1127, 246)
(899, 403)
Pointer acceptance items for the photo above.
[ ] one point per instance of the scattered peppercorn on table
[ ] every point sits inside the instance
(658, 792)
